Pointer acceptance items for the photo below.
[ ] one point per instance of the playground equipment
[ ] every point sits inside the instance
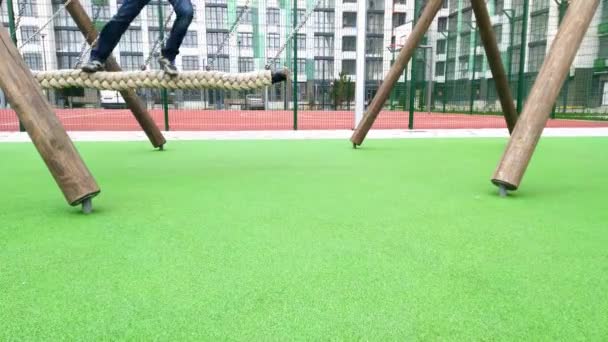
(527, 130)
(48, 135)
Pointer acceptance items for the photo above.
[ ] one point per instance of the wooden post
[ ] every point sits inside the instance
(421, 27)
(543, 95)
(134, 103)
(44, 128)
(490, 44)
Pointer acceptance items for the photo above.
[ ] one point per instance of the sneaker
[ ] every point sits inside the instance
(168, 67)
(92, 67)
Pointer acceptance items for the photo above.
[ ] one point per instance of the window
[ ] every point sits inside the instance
(273, 16)
(452, 46)
(301, 41)
(399, 19)
(244, 14)
(29, 31)
(131, 41)
(373, 69)
(216, 2)
(274, 41)
(324, 46)
(479, 60)
(214, 39)
(517, 32)
(33, 60)
(131, 62)
(440, 69)
(538, 27)
(191, 40)
(464, 66)
(442, 24)
(245, 39)
(324, 69)
(190, 63)
(301, 66)
(101, 11)
(66, 61)
(539, 5)
(154, 35)
(441, 46)
(465, 44)
(30, 8)
(63, 19)
(498, 33)
(515, 59)
(221, 63)
(349, 66)
(499, 5)
(301, 15)
(349, 44)
(192, 95)
(349, 19)
(537, 57)
(450, 69)
(445, 4)
(453, 23)
(68, 41)
(152, 10)
(217, 17)
(245, 64)
(374, 45)
(324, 21)
(375, 22)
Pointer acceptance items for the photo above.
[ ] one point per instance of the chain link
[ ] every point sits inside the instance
(274, 59)
(230, 34)
(19, 14)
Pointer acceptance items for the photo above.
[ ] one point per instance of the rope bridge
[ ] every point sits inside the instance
(154, 79)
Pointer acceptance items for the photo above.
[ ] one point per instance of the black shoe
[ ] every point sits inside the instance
(92, 67)
(168, 67)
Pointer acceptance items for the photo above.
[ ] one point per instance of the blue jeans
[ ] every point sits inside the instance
(111, 33)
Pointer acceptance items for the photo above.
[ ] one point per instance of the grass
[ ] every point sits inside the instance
(307, 240)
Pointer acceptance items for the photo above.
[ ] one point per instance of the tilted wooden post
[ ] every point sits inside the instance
(488, 38)
(133, 102)
(543, 95)
(391, 79)
(44, 128)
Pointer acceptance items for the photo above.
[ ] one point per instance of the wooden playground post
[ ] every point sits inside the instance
(44, 128)
(488, 38)
(420, 29)
(133, 102)
(543, 95)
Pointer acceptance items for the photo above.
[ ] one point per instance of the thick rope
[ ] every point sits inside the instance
(153, 79)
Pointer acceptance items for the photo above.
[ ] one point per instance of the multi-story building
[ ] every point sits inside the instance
(326, 44)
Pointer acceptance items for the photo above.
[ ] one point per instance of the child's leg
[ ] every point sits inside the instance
(111, 33)
(185, 13)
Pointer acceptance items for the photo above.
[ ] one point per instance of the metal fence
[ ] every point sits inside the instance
(447, 85)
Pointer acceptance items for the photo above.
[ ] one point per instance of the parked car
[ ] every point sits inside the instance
(253, 102)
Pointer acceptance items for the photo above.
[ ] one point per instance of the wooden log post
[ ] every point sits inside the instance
(490, 44)
(392, 77)
(44, 128)
(133, 102)
(543, 95)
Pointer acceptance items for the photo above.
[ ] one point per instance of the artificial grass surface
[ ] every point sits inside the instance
(307, 240)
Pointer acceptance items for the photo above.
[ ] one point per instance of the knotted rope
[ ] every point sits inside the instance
(153, 79)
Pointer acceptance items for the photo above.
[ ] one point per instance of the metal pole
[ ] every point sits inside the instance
(511, 37)
(13, 32)
(472, 100)
(430, 84)
(163, 92)
(295, 67)
(522, 58)
(392, 100)
(360, 66)
(410, 121)
(445, 69)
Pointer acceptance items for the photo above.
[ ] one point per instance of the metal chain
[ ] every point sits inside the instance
(273, 60)
(20, 14)
(84, 49)
(37, 33)
(158, 43)
(231, 32)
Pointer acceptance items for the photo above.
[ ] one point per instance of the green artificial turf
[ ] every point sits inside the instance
(307, 240)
